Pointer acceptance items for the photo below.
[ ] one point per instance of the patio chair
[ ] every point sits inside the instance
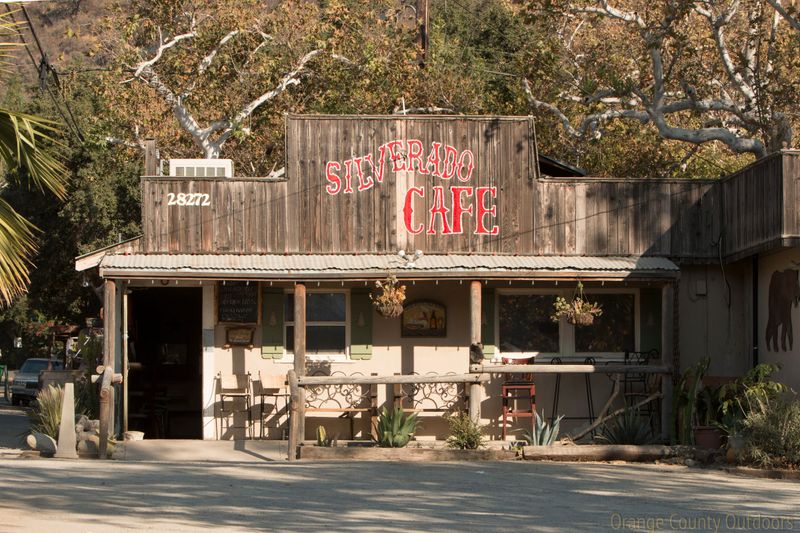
(235, 388)
(271, 387)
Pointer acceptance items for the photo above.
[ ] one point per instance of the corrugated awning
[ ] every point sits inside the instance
(327, 266)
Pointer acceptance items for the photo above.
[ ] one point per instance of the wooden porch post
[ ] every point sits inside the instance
(475, 338)
(299, 399)
(109, 344)
(667, 351)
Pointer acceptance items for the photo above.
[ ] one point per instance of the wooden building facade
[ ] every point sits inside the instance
(238, 276)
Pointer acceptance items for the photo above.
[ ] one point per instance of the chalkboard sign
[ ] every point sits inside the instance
(237, 301)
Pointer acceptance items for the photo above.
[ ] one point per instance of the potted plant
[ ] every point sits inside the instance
(388, 297)
(578, 311)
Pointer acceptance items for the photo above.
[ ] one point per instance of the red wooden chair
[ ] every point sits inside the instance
(518, 387)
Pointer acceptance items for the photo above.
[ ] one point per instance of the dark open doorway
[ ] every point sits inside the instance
(165, 354)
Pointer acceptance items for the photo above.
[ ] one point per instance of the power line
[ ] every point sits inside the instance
(43, 69)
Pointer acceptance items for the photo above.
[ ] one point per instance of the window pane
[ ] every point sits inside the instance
(525, 324)
(613, 331)
(320, 307)
(325, 306)
(319, 339)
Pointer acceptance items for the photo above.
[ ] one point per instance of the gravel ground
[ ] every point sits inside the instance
(92, 496)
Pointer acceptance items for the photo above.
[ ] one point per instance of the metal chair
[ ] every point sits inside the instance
(272, 386)
(233, 388)
(638, 385)
(518, 387)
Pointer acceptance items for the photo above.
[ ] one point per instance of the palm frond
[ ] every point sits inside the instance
(16, 246)
(24, 143)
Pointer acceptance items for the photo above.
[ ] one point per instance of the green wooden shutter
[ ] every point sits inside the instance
(360, 325)
(487, 323)
(272, 324)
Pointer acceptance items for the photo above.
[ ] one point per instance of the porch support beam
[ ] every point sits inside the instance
(298, 397)
(667, 354)
(475, 341)
(109, 345)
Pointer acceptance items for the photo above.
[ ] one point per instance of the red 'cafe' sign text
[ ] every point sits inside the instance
(447, 206)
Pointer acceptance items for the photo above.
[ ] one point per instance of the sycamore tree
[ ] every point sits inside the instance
(203, 79)
(695, 72)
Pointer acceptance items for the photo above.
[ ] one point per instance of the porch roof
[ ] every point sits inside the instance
(361, 266)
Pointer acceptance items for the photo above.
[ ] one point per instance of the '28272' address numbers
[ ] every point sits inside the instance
(188, 199)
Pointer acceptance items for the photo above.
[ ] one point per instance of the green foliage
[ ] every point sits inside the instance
(45, 413)
(772, 431)
(465, 434)
(543, 433)
(685, 400)
(628, 428)
(323, 439)
(395, 428)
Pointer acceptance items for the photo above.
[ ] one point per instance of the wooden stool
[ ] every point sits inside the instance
(519, 387)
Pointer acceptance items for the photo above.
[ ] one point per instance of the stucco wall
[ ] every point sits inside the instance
(784, 305)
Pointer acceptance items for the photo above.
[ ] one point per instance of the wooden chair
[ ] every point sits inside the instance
(271, 386)
(235, 388)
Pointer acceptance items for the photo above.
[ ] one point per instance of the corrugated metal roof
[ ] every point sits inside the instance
(271, 265)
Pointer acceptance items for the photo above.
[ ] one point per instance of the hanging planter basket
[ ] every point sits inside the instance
(388, 297)
(579, 311)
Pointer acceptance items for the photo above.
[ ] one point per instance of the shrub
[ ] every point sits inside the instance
(772, 432)
(45, 413)
(465, 434)
(323, 439)
(543, 433)
(628, 428)
(395, 428)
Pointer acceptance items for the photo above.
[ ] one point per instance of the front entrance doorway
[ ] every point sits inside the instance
(165, 355)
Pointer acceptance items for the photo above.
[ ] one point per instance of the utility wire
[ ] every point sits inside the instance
(43, 68)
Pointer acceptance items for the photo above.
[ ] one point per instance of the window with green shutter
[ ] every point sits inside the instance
(272, 324)
(360, 325)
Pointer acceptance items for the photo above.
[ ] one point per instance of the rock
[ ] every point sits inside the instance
(82, 424)
(85, 435)
(42, 443)
(88, 447)
(690, 462)
(133, 435)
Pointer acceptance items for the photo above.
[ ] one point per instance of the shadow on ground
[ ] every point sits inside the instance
(367, 496)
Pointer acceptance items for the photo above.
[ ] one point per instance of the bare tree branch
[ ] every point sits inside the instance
(793, 20)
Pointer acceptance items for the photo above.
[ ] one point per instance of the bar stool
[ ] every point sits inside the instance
(587, 385)
(272, 386)
(518, 387)
(233, 388)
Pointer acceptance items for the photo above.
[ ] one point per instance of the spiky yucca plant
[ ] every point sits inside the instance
(45, 414)
(629, 428)
(395, 428)
(543, 433)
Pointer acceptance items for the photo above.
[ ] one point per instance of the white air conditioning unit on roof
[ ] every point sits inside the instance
(201, 168)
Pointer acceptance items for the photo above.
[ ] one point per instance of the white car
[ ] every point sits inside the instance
(25, 384)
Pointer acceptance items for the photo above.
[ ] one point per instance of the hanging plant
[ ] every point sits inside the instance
(579, 311)
(388, 297)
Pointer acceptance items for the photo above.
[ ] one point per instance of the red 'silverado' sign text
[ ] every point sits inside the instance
(447, 206)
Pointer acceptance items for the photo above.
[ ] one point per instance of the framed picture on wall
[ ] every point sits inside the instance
(424, 319)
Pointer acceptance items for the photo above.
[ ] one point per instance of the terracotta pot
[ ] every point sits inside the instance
(708, 437)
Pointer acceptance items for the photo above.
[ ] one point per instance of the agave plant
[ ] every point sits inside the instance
(543, 433)
(395, 428)
(629, 428)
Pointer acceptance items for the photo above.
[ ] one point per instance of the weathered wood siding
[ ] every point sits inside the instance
(682, 219)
